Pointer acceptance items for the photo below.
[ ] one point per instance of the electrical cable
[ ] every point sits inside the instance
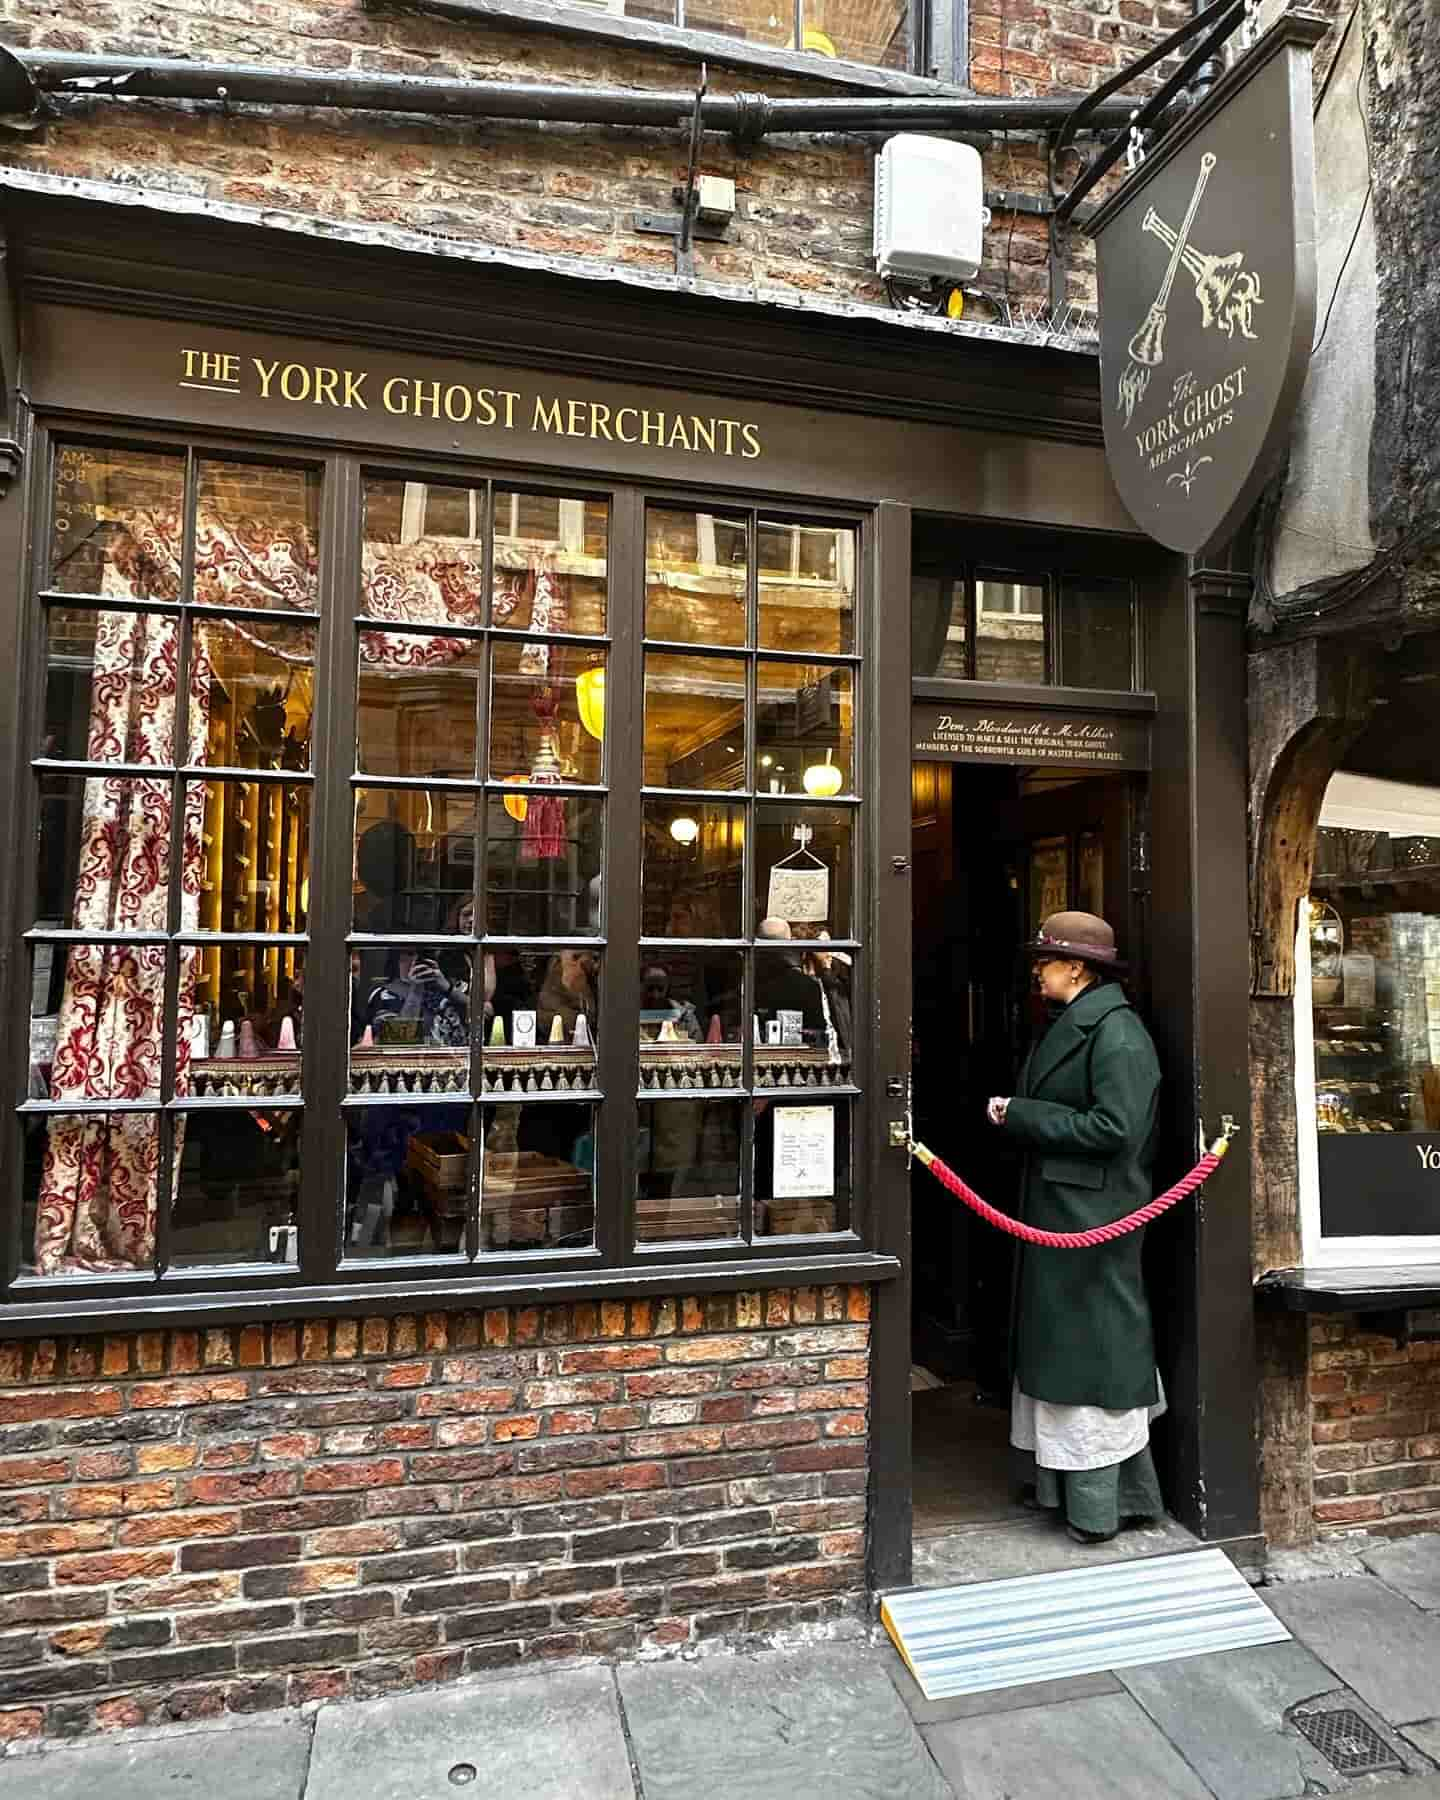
(1369, 186)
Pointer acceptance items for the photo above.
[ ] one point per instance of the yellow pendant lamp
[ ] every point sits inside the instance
(590, 697)
(823, 781)
(516, 804)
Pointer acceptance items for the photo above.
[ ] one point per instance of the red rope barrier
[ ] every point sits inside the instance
(1075, 1240)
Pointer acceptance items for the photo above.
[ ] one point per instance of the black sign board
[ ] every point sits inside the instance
(971, 731)
(1380, 1183)
(1206, 263)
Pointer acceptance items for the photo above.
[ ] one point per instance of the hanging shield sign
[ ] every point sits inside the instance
(1206, 262)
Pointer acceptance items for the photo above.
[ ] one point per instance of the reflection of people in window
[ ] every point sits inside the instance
(781, 984)
(830, 969)
(659, 1009)
(568, 994)
(417, 988)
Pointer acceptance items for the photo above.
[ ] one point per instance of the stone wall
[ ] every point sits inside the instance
(200, 1522)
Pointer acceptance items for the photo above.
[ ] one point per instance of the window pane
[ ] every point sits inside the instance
(416, 705)
(109, 686)
(104, 853)
(807, 588)
(252, 693)
(415, 860)
(694, 721)
(1009, 630)
(1096, 635)
(803, 869)
(802, 1167)
(688, 1179)
(804, 1014)
(409, 1175)
(805, 729)
(410, 1018)
(691, 996)
(242, 1019)
(695, 566)
(550, 562)
(256, 537)
(692, 860)
(876, 32)
(237, 1187)
(539, 1020)
(757, 21)
(96, 1017)
(537, 1185)
(90, 1187)
(547, 716)
(423, 559)
(543, 859)
(251, 866)
(937, 627)
(116, 524)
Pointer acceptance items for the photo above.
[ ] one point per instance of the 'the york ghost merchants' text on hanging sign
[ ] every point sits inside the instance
(1206, 263)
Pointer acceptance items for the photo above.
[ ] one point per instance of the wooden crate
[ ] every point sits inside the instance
(785, 1218)
(529, 1198)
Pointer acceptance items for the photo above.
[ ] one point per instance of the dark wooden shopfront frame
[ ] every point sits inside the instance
(861, 418)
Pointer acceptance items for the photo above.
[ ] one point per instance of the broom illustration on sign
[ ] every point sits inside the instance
(1147, 347)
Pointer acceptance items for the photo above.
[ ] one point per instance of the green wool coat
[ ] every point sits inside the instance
(1085, 1116)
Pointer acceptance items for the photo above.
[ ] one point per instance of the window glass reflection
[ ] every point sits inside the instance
(414, 867)
(803, 870)
(237, 1187)
(417, 700)
(695, 569)
(692, 858)
(423, 557)
(116, 522)
(257, 526)
(802, 1166)
(807, 587)
(90, 1189)
(1009, 630)
(544, 854)
(805, 729)
(688, 1178)
(694, 721)
(550, 563)
(1097, 647)
(537, 1188)
(409, 1174)
(547, 713)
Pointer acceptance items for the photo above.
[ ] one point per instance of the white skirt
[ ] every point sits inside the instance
(1080, 1437)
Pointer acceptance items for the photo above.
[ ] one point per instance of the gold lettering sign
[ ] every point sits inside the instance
(483, 408)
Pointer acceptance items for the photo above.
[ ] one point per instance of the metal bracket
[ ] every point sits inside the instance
(685, 227)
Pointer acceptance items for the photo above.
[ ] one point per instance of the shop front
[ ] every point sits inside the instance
(463, 767)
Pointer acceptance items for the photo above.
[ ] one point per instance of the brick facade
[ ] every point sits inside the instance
(804, 218)
(1376, 1430)
(195, 1522)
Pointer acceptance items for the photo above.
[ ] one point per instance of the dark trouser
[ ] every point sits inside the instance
(1099, 1499)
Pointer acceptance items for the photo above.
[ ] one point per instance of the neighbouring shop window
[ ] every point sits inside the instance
(1036, 627)
(321, 875)
(1368, 1012)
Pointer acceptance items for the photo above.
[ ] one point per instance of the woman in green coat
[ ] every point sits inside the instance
(1085, 1385)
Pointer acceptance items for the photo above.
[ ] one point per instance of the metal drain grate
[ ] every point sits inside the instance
(1347, 1741)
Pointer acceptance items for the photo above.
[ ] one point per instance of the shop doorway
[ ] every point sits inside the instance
(995, 849)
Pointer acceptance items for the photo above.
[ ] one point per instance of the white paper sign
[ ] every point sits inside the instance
(800, 895)
(804, 1153)
(1359, 979)
(523, 1024)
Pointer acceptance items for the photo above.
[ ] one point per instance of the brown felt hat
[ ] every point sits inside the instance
(1080, 935)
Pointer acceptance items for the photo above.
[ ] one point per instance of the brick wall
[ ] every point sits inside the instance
(195, 1522)
(1375, 1429)
(804, 219)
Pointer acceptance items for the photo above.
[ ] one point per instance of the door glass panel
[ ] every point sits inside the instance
(802, 1166)
(803, 869)
(805, 729)
(692, 858)
(688, 1174)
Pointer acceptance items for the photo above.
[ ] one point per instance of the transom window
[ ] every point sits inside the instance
(325, 872)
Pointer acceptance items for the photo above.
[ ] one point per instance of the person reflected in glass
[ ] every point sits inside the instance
(781, 985)
(830, 969)
(662, 1016)
(568, 993)
(1085, 1387)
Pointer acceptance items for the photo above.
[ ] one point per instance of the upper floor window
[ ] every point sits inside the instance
(878, 32)
(1040, 627)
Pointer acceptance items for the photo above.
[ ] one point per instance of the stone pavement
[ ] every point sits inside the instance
(842, 1720)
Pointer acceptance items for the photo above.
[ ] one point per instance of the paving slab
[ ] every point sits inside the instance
(822, 1724)
(556, 1736)
(1377, 1643)
(1011, 1699)
(1100, 1749)
(242, 1762)
(1411, 1567)
(1226, 1716)
(1426, 1736)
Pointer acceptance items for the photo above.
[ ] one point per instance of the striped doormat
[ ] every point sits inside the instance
(1000, 1634)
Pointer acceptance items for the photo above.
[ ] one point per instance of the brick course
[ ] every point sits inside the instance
(350, 1511)
(1375, 1410)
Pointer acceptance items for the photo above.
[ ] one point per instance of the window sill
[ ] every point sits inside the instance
(440, 1294)
(686, 46)
(1366, 1287)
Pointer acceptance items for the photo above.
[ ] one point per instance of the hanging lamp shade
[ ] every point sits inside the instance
(516, 804)
(590, 693)
(823, 780)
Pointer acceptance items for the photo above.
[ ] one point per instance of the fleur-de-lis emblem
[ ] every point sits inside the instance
(1190, 474)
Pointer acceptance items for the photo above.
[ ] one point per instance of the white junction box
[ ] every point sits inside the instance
(930, 212)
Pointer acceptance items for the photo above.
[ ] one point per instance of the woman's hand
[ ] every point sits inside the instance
(996, 1110)
(426, 973)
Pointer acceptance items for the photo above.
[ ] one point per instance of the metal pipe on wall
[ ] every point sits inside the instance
(748, 116)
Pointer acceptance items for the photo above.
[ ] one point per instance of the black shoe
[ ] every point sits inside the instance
(1090, 1537)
